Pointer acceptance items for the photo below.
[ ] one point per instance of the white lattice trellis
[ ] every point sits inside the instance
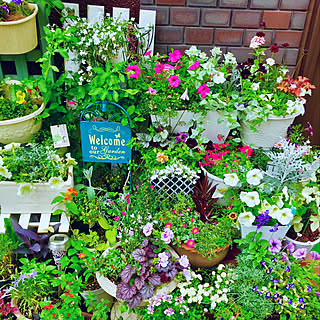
(34, 209)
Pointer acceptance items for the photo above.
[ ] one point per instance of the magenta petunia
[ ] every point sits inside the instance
(133, 71)
(158, 69)
(174, 56)
(152, 91)
(203, 90)
(195, 65)
(174, 81)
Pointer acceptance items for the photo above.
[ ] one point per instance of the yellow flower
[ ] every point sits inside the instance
(20, 97)
(161, 157)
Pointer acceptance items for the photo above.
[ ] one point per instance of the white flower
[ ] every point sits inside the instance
(215, 51)
(273, 211)
(230, 58)
(254, 177)
(315, 222)
(255, 86)
(184, 261)
(25, 188)
(296, 223)
(1, 161)
(220, 267)
(11, 146)
(5, 172)
(231, 179)
(184, 96)
(56, 182)
(147, 229)
(251, 199)
(270, 61)
(223, 274)
(265, 205)
(246, 219)
(279, 79)
(284, 216)
(193, 51)
(218, 77)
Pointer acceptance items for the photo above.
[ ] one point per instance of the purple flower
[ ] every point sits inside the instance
(309, 289)
(302, 306)
(292, 285)
(17, 2)
(182, 137)
(167, 235)
(269, 270)
(5, 8)
(315, 255)
(274, 228)
(300, 253)
(290, 301)
(264, 263)
(147, 229)
(318, 294)
(301, 300)
(255, 288)
(274, 259)
(151, 91)
(22, 277)
(280, 302)
(287, 269)
(33, 274)
(184, 261)
(310, 128)
(163, 259)
(287, 287)
(187, 274)
(275, 245)
(262, 219)
(276, 296)
(284, 257)
(290, 247)
(275, 281)
(15, 282)
(268, 295)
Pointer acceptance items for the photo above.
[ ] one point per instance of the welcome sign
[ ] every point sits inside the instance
(105, 142)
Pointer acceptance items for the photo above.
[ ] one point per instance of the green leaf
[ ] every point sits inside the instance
(58, 211)
(131, 110)
(72, 207)
(91, 193)
(54, 68)
(104, 223)
(111, 236)
(57, 199)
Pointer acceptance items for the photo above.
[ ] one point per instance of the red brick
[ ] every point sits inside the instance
(228, 37)
(162, 16)
(291, 37)
(160, 48)
(242, 54)
(146, 1)
(298, 20)
(277, 56)
(264, 4)
(295, 4)
(170, 2)
(277, 19)
(202, 3)
(246, 18)
(249, 34)
(181, 48)
(216, 17)
(234, 3)
(169, 34)
(199, 36)
(291, 56)
(184, 16)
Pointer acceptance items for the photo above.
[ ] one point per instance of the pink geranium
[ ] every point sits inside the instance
(174, 81)
(195, 65)
(133, 71)
(174, 56)
(203, 90)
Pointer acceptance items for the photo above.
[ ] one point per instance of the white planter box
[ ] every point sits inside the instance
(36, 202)
(300, 245)
(212, 128)
(266, 234)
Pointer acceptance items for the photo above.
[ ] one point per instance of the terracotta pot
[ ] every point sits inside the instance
(199, 261)
(87, 316)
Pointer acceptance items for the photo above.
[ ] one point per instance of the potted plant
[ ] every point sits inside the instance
(271, 98)
(174, 88)
(18, 29)
(20, 106)
(31, 177)
(197, 227)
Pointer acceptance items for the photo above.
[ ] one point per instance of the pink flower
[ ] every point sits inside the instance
(190, 243)
(133, 71)
(71, 103)
(168, 66)
(184, 225)
(158, 69)
(181, 214)
(246, 151)
(123, 213)
(147, 229)
(300, 253)
(152, 186)
(315, 255)
(195, 65)
(290, 247)
(256, 42)
(195, 230)
(174, 211)
(192, 219)
(152, 91)
(174, 81)
(174, 56)
(148, 53)
(167, 235)
(168, 225)
(116, 218)
(204, 90)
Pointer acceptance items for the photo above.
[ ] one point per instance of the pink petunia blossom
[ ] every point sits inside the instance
(133, 71)
(204, 90)
(300, 253)
(71, 103)
(152, 91)
(184, 225)
(151, 186)
(116, 218)
(147, 229)
(158, 69)
(174, 56)
(290, 247)
(275, 245)
(174, 81)
(148, 53)
(195, 65)
(315, 255)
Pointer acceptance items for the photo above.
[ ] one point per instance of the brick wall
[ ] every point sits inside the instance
(229, 24)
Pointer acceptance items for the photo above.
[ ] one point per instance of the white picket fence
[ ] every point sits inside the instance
(95, 13)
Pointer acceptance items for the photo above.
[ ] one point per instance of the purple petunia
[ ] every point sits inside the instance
(318, 294)
(287, 269)
(275, 245)
(315, 255)
(182, 137)
(300, 253)
(290, 247)
(310, 128)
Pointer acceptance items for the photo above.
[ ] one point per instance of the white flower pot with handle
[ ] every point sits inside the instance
(301, 245)
(212, 128)
(266, 234)
(268, 133)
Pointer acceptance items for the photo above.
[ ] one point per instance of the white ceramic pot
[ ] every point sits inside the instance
(178, 123)
(266, 234)
(267, 133)
(300, 245)
(38, 201)
(19, 36)
(99, 294)
(212, 128)
(20, 130)
(111, 288)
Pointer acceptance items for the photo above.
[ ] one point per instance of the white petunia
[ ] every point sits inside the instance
(273, 211)
(254, 177)
(284, 216)
(218, 77)
(215, 51)
(56, 182)
(246, 219)
(184, 96)
(251, 199)
(265, 205)
(231, 179)
(296, 223)
(5, 173)
(193, 51)
(25, 189)
(255, 86)
(11, 146)
(270, 61)
(1, 161)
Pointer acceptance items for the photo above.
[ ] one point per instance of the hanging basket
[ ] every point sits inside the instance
(268, 133)
(19, 36)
